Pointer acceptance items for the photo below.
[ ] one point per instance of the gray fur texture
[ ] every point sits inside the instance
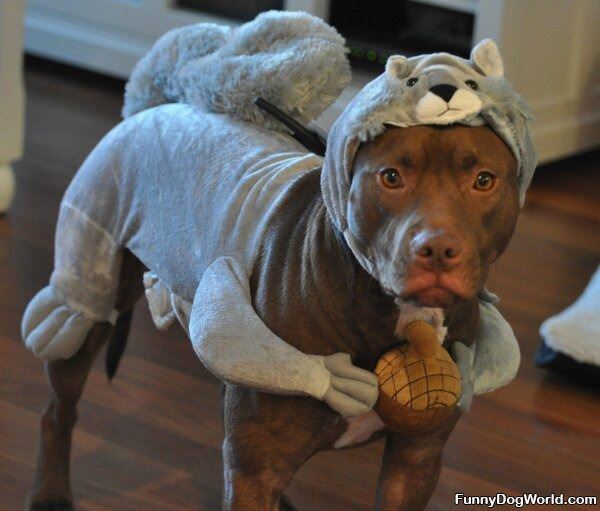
(291, 59)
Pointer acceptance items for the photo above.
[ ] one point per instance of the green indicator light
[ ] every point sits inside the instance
(383, 59)
(371, 55)
(360, 52)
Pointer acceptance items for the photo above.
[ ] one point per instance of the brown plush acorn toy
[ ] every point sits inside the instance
(419, 384)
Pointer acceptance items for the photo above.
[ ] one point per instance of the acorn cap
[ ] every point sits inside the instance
(422, 338)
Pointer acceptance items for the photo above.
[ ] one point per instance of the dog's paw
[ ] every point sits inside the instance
(51, 505)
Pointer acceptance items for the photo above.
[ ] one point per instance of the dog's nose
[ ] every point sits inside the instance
(444, 91)
(436, 250)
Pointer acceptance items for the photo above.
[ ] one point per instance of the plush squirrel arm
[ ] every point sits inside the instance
(492, 361)
(234, 344)
(497, 355)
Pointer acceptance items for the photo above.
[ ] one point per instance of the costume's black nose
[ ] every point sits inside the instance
(444, 91)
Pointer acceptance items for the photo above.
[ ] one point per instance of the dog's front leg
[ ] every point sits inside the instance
(267, 438)
(411, 468)
(252, 492)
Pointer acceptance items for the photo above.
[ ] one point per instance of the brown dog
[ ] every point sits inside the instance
(451, 194)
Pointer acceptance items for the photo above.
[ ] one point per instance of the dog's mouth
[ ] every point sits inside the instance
(430, 289)
(434, 296)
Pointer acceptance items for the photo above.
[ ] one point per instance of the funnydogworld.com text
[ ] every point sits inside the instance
(519, 501)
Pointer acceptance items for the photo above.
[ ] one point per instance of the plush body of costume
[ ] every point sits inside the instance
(192, 192)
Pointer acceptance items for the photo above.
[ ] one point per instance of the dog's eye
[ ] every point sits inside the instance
(484, 181)
(473, 84)
(390, 178)
(411, 81)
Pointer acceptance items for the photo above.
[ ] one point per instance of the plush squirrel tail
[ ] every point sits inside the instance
(156, 78)
(292, 59)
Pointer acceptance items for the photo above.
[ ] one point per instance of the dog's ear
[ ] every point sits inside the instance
(486, 57)
(397, 66)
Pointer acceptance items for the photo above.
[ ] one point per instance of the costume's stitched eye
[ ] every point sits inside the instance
(484, 181)
(390, 178)
(411, 81)
(473, 84)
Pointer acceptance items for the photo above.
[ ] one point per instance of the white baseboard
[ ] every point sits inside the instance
(103, 51)
(60, 31)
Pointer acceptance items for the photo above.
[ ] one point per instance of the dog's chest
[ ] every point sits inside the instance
(305, 294)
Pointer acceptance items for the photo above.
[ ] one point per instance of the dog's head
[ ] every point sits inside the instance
(425, 171)
(433, 208)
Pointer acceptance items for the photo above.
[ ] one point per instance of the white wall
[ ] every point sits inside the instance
(552, 54)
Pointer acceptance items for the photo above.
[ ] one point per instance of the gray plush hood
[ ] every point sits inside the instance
(436, 89)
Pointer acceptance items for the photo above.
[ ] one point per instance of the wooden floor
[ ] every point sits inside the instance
(151, 439)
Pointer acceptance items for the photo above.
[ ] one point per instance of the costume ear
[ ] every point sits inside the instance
(486, 57)
(396, 66)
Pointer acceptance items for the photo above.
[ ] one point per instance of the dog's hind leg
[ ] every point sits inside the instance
(51, 489)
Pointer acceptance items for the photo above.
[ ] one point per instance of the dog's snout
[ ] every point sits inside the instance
(436, 250)
(444, 91)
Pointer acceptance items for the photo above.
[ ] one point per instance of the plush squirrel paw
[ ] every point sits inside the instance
(360, 429)
(463, 356)
(51, 329)
(352, 390)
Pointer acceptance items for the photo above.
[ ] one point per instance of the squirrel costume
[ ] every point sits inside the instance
(193, 146)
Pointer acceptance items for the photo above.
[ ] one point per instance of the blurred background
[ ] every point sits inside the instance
(151, 439)
(558, 39)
